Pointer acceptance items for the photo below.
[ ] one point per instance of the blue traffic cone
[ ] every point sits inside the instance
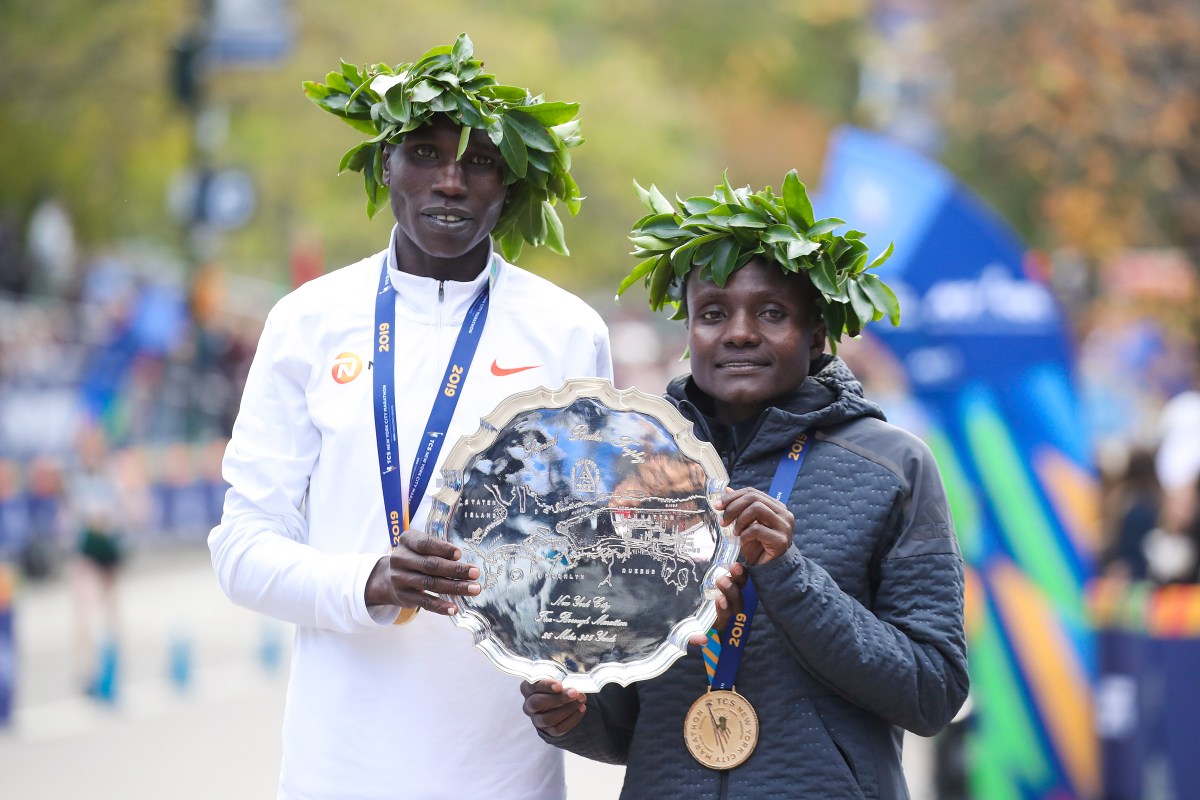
(270, 648)
(104, 687)
(180, 661)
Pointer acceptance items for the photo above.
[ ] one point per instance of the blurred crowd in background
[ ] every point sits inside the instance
(1139, 383)
(123, 355)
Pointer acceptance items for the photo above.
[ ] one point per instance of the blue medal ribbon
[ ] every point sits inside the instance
(399, 508)
(737, 632)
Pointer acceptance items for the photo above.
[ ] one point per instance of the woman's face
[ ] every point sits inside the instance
(752, 341)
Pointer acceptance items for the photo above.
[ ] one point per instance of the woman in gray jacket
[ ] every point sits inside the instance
(846, 622)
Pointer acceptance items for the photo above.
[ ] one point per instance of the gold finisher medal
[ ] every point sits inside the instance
(721, 729)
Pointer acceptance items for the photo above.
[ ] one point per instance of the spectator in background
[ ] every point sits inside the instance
(213, 483)
(14, 266)
(93, 498)
(14, 513)
(44, 501)
(1138, 505)
(1173, 548)
(1173, 554)
(184, 512)
(1191, 532)
(132, 476)
(1178, 460)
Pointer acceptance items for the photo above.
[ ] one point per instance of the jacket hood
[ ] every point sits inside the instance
(829, 396)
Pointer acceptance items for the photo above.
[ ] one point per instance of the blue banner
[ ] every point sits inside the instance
(985, 360)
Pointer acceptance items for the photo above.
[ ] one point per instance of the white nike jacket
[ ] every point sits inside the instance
(376, 710)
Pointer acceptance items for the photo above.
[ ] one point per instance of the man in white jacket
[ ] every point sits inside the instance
(359, 378)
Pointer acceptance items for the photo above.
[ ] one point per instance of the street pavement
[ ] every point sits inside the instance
(200, 702)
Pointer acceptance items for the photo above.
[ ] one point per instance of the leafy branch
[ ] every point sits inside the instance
(720, 232)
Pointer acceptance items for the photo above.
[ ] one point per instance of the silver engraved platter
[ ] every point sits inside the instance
(588, 511)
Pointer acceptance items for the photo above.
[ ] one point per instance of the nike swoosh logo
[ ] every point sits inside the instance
(500, 371)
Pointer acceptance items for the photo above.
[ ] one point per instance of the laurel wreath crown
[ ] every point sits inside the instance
(719, 233)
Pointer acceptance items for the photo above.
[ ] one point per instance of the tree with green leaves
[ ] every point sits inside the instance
(1091, 108)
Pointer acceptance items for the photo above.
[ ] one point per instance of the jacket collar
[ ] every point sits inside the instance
(430, 300)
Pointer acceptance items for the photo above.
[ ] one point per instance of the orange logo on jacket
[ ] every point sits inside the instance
(346, 367)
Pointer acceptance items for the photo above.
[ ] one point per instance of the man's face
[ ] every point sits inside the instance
(751, 342)
(444, 206)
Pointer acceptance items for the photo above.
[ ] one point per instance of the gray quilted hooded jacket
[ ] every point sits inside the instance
(859, 630)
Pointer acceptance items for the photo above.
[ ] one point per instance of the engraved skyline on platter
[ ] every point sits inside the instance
(588, 512)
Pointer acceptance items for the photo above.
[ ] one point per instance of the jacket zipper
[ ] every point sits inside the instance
(724, 794)
(440, 303)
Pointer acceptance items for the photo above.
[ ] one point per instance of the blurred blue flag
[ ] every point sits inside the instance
(984, 350)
